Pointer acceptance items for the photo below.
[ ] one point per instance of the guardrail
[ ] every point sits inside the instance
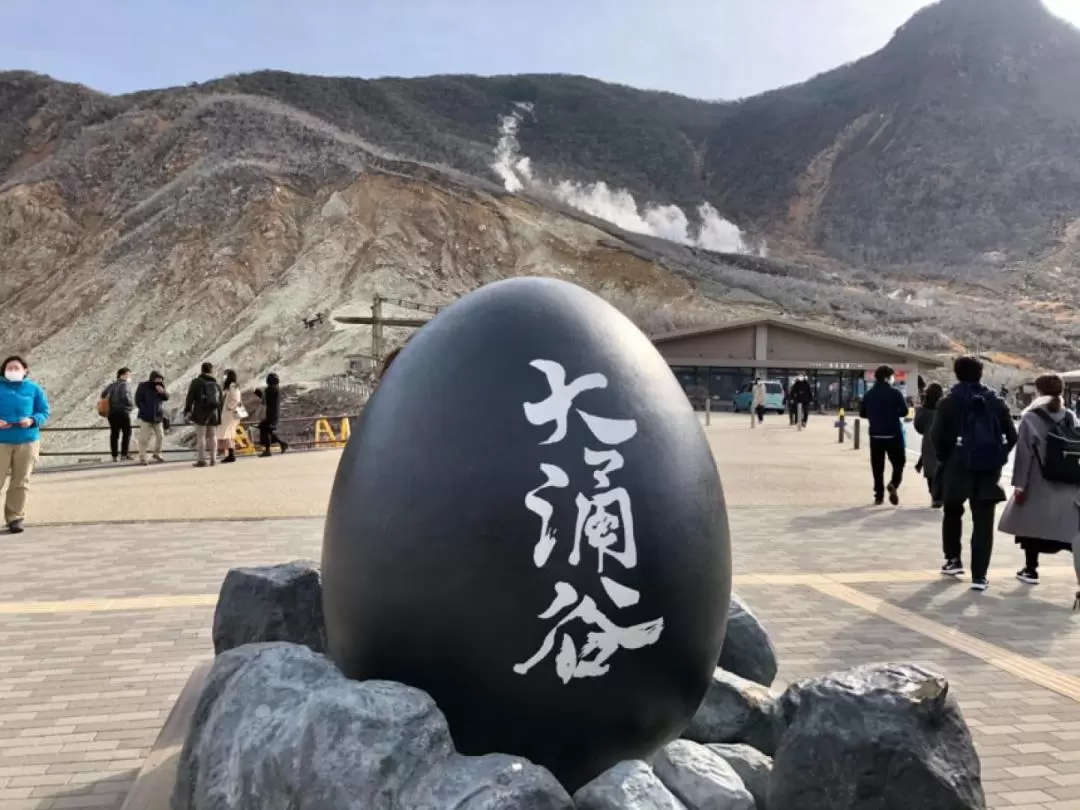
(246, 439)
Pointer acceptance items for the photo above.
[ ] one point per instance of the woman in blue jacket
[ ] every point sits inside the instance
(23, 411)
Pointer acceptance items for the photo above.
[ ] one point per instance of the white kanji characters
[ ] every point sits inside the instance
(600, 526)
(600, 644)
(556, 477)
(556, 407)
(605, 522)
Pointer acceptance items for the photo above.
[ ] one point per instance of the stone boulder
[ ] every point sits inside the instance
(879, 737)
(270, 603)
(492, 782)
(278, 725)
(630, 785)
(736, 710)
(700, 779)
(752, 766)
(747, 650)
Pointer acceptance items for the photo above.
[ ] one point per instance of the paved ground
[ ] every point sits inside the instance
(100, 624)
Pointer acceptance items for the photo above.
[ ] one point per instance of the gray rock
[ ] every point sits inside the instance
(747, 650)
(493, 782)
(879, 737)
(270, 603)
(700, 779)
(630, 785)
(278, 726)
(736, 710)
(752, 766)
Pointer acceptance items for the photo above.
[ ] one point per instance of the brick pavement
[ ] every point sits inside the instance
(84, 689)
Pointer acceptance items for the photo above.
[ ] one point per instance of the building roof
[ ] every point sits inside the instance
(923, 358)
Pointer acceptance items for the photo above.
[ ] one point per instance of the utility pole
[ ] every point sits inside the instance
(376, 332)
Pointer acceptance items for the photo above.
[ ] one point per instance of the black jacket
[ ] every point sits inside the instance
(884, 408)
(150, 402)
(196, 406)
(801, 392)
(957, 483)
(924, 422)
(272, 403)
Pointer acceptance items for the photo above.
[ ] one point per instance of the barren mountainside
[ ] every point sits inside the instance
(162, 228)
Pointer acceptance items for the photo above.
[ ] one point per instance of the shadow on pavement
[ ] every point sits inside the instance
(108, 793)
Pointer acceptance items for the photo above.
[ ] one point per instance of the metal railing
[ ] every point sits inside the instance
(246, 436)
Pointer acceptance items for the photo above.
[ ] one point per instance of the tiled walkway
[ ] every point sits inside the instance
(100, 625)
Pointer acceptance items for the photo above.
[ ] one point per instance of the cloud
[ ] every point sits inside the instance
(615, 205)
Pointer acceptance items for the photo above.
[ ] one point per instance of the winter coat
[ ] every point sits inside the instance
(229, 420)
(1051, 510)
(924, 421)
(18, 401)
(884, 408)
(272, 401)
(150, 402)
(120, 399)
(200, 412)
(802, 393)
(955, 482)
(759, 395)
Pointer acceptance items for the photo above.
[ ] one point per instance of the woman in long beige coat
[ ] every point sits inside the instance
(232, 413)
(1043, 516)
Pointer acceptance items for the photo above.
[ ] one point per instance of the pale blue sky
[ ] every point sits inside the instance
(703, 48)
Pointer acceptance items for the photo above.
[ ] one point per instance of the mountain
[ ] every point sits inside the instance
(915, 191)
(954, 144)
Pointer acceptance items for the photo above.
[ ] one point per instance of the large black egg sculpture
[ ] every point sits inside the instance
(528, 524)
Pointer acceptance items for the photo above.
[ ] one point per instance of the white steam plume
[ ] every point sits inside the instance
(616, 206)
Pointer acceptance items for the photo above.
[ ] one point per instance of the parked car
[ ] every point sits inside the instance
(743, 401)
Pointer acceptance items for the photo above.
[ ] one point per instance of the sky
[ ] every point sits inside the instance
(713, 49)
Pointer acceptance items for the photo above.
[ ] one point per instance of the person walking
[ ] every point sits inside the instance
(121, 404)
(24, 410)
(972, 435)
(203, 408)
(271, 413)
(1043, 515)
(924, 421)
(150, 399)
(801, 395)
(884, 408)
(758, 403)
(232, 413)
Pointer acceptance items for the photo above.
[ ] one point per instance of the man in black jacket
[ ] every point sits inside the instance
(150, 399)
(271, 413)
(884, 408)
(972, 435)
(800, 396)
(203, 408)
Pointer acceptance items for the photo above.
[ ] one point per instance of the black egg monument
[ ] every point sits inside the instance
(528, 524)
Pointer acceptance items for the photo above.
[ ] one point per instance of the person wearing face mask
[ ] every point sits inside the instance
(23, 410)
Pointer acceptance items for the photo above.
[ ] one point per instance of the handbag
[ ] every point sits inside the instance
(241, 412)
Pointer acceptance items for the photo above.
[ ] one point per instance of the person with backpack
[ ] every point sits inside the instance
(884, 408)
(119, 403)
(924, 422)
(972, 436)
(1043, 513)
(150, 399)
(270, 411)
(203, 408)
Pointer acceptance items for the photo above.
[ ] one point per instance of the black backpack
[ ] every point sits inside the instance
(211, 397)
(983, 439)
(1062, 457)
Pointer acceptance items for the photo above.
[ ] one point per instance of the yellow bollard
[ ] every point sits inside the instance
(324, 434)
(242, 440)
(344, 431)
